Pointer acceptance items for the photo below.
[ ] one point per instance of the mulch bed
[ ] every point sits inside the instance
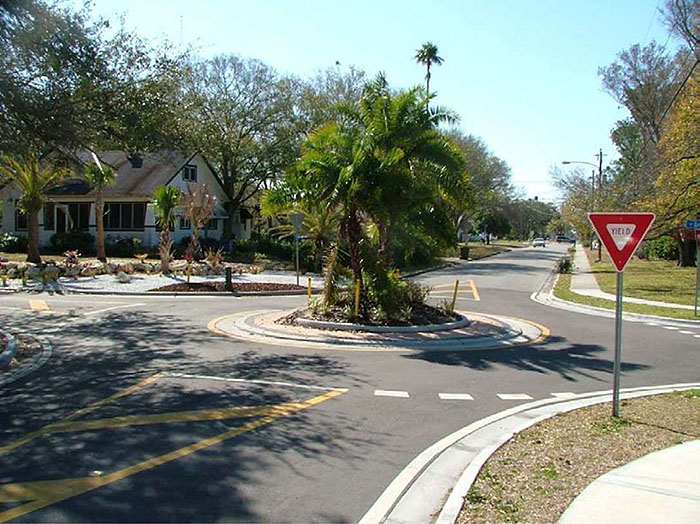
(220, 287)
(422, 315)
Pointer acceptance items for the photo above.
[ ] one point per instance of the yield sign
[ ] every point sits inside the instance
(621, 233)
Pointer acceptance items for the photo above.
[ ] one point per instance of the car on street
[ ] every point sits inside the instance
(538, 242)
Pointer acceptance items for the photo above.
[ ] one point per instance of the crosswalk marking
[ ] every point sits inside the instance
(455, 396)
(565, 394)
(388, 393)
(514, 396)
(686, 332)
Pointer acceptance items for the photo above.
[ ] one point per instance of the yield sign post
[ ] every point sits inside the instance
(620, 234)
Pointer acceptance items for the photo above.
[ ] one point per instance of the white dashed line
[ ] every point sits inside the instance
(514, 396)
(671, 328)
(652, 324)
(686, 333)
(98, 311)
(387, 393)
(455, 396)
(696, 336)
(566, 394)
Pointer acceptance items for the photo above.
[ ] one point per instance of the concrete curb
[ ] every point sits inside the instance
(344, 326)
(428, 270)
(190, 294)
(446, 470)
(33, 365)
(545, 296)
(10, 349)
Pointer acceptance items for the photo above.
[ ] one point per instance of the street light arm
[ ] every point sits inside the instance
(565, 162)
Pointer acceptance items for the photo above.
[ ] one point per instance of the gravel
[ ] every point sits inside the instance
(140, 283)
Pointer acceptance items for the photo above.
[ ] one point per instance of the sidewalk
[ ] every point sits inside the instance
(659, 487)
(583, 282)
(663, 486)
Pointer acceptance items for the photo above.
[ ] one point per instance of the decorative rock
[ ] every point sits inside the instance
(90, 271)
(110, 267)
(51, 273)
(140, 267)
(123, 278)
(33, 272)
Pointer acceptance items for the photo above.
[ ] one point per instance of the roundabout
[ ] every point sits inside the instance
(474, 332)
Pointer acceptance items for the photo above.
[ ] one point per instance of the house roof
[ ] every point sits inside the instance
(157, 169)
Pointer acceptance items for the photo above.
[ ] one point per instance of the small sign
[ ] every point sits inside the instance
(692, 224)
(621, 233)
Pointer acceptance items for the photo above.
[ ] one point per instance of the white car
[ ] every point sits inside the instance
(538, 242)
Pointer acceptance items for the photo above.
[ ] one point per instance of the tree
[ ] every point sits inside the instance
(241, 116)
(98, 177)
(682, 18)
(198, 204)
(33, 179)
(427, 55)
(165, 200)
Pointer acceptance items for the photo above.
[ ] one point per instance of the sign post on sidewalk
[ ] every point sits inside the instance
(620, 234)
(695, 225)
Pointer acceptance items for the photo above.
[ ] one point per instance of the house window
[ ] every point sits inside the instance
(20, 218)
(79, 215)
(212, 224)
(124, 216)
(185, 223)
(49, 216)
(189, 173)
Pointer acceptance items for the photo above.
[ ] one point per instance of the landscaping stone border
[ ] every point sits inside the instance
(344, 326)
(31, 365)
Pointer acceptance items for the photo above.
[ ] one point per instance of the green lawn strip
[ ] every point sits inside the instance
(660, 280)
(477, 251)
(536, 475)
(562, 290)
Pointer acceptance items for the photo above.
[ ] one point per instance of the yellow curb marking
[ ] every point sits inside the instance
(472, 291)
(39, 305)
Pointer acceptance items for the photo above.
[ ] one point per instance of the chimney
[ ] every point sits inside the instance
(136, 160)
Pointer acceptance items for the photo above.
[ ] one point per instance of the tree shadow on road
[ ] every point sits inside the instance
(554, 355)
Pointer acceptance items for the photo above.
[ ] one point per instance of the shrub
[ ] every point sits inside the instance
(123, 247)
(73, 241)
(564, 265)
(662, 248)
(10, 243)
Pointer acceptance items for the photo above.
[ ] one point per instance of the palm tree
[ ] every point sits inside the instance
(99, 177)
(33, 179)
(165, 200)
(427, 55)
(198, 204)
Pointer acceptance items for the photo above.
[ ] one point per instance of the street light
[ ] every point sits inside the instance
(599, 166)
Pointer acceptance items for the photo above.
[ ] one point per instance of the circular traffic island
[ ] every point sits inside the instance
(461, 331)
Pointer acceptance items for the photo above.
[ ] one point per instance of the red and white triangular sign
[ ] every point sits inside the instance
(621, 233)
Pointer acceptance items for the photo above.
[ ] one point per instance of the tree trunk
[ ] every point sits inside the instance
(385, 253)
(164, 249)
(686, 244)
(352, 231)
(33, 238)
(99, 227)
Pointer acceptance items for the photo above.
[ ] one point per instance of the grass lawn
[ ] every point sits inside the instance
(657, 280)
(538, 473)
(479, 250)
(562, 290)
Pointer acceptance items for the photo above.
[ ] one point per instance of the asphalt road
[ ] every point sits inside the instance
(144, 415)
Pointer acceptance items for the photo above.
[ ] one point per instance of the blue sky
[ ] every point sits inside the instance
(522, 74)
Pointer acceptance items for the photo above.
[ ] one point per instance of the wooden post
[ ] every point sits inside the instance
(454, 297)
(308, 290)
(229, 284)
(357, 298)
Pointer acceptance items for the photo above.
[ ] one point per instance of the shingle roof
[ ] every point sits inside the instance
(157, 169)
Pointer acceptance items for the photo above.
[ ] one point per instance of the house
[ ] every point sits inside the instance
(128, 212)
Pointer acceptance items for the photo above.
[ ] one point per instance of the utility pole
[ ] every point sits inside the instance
(600, 189)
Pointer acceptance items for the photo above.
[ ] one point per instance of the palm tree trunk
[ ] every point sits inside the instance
(99, 227)
(353, 235)
(33, 238)
(164, 249)
(427, 80)
(385, 253)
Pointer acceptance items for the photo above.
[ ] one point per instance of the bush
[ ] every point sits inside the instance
(10, 243)
(75, 240)
(276, 249)
(564, 265)
(205, 244)
(662, 248)
(123, 247)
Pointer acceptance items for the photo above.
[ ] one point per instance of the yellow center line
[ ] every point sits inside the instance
(44, 493)
(474, 291)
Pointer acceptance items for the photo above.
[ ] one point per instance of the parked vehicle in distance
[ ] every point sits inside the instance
(562, 238)
(538, 242)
